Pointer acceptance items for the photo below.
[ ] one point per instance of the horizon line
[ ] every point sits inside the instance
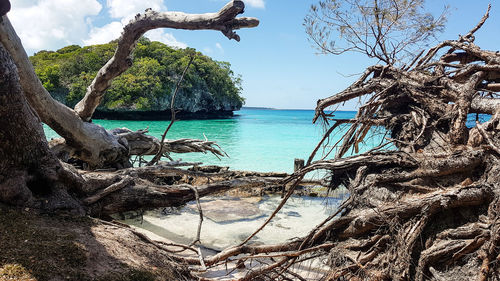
(273, 108)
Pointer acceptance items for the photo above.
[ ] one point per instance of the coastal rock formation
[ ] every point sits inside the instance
(199, 104)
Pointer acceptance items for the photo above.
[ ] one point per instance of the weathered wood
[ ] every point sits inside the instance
(89, 139)
(428, 207)
(145, 195)
(105, 192)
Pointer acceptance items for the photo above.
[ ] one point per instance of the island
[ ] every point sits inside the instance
(210, 89)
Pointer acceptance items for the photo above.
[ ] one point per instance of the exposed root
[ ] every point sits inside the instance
(426, 209)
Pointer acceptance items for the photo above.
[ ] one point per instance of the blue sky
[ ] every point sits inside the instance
(280, 68)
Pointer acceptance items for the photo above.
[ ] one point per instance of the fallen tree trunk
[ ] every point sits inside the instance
(31, 175)
(141, 194)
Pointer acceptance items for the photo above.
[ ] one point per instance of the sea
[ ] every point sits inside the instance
(255, 139)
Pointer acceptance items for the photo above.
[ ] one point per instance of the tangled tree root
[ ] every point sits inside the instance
(425, 204)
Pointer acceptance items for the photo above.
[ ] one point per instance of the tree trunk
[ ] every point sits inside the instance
(30, 174)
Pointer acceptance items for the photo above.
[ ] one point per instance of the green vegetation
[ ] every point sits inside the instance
(147, 85)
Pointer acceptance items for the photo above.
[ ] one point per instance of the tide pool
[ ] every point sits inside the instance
(261, 140)
(296, 219)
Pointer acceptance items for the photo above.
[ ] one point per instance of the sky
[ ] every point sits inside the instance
(279, 66)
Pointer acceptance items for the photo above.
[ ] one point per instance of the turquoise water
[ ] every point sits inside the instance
(255, 139)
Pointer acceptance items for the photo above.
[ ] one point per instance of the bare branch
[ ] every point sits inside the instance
(224, 21)
(158, 155)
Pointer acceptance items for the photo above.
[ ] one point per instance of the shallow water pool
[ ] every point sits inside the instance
(228, 221)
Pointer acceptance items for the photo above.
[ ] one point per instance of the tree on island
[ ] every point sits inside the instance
(146, 87)
(87, 141)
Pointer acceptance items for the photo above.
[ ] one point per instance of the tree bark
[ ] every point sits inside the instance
(30, 174)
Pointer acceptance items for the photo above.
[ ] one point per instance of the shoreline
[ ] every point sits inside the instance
(163, 115)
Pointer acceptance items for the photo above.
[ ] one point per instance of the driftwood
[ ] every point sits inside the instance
(170, 189)
(31, 176)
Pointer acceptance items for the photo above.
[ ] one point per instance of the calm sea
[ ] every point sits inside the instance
(255, 139)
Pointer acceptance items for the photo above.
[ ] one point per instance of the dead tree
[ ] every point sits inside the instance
(88, 141)
(425, 205)
(32, 176)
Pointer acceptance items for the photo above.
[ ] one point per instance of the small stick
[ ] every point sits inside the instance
(198, 232)
(202, 262)
(325, 136)
(110, 189)
(172, 110)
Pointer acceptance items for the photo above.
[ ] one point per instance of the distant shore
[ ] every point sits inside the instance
(165, 115)
(161, 115)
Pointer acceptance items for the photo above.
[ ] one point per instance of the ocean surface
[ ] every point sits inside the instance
(262, 140)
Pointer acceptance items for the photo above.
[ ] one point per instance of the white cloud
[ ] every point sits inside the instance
(164, 37)
(23, 3)
(102, 35)
(219, 47)
(128, 8)
(125, 10)
(256, 3)
(52, 24)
